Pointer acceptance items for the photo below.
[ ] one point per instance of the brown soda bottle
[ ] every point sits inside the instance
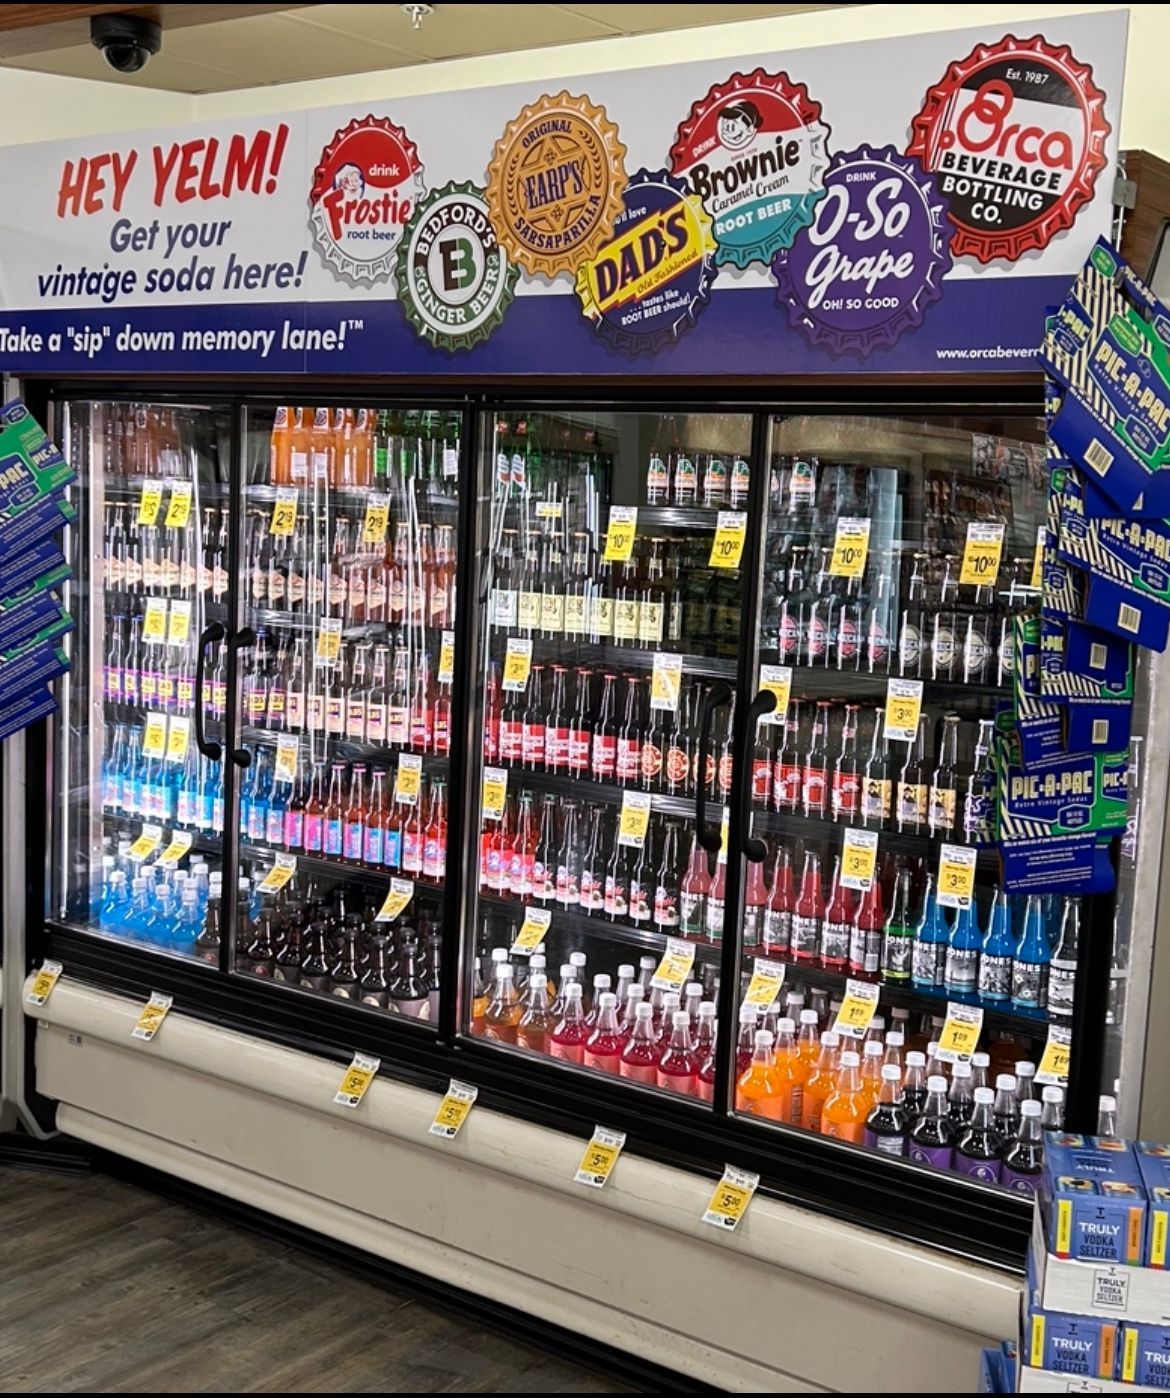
(676, 762)
(654, 750)
(603, 763)
(725, 763)
(913, 789)
(846, 786)
(627, 605)
(532, 723)
(335, 814)
(557, 725)
(763, 762)
(422, 710)
(876, 786)
(652, 605)
(441, 725)
(552, 591)
(355, 815)
(629, 740)
(315, 963)
(581, 724)
(787, 770)
(577, 590)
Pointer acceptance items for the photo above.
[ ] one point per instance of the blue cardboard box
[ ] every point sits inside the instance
(1081, 1345)
(1145, 1355)
(1093, 1199)
(1153, 1161)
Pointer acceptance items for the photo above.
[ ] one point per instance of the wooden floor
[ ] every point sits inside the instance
(105, 1288)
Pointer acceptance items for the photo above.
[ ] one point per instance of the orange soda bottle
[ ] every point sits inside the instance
(821, 1082)
(759, 1092)
(791, 1070)
(280, 449)
(299, 445)
(846, 1107)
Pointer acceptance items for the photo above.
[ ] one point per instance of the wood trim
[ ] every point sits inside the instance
(29, 29)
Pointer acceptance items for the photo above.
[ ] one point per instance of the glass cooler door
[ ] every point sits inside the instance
(885, 642)
(611, 593)
(346, 653)
(138, 834)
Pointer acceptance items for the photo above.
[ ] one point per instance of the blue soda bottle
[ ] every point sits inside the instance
(204, 795)
(961, 973)
(189, 923)
(247, 788)
(1032, 956)
(160, 929)
(261, 792)
(115, 905)
(133, 790)
(999, 945)
(215, 780)
(277, 806)
(187, 806)
(138, 918)
(931, 938)
(111, 773)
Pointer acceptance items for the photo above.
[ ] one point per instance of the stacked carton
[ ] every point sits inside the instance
(1096, 1310)
(33, 511)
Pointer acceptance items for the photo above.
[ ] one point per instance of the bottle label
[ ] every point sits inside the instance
(316, 712)
(511, 740)
(505, 608)
(846, 794)
(186, 692)
(713, 919)
(926, 966)
(604, 756)
(314, 833)
(398, 725)
(912, 804)
(257, 821)
(909, 648)
(986, 1170)
(294, 829)
(625, 620)
(897, 954)
(818, 635)
(686, 481)
(575, 619)
(857, 938)
(355, 720)
(615, 900)
(878, 645)
(274, 827)
(753, 921)
(568, 890)
(579, 741)
(666, 912)
(805, 935)
(435, 861)
(639, 1072)
(978, 828)
(888, 1145)
(995, 976)
(835, 939)
(761, 781)
(592, 891)
(942, 650)
(777, 930)
(543, 883)
(149, 687)
(276, 707)
(962, 965)
(392, 849)
(650, 762)
(1017, 1183)
(725, 772)
(875, 799)
(528, 611)
(257, 705)
(788, 636)
(847, 637)
(1029, 983)
(812, 789)
(375, 722)
(130, 686)
(976, 654)
(940, 1157)
(942, 808)
(412, 852)
(532, 749)
(354, 838)
(601, 616)
(552, 613)
(334, 837)
(787, 778)
(690, 913)
(1062, 981)
(677, 767)
(650, 624)
(639, 902)
(113, 683)
(187, 806)
(556, 748)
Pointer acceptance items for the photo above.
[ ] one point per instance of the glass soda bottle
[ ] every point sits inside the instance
(886, 1125)
(865, 941)
(1062, 970)
(932, 1135)
(898, 936)
(809, 911)
(837, 926)
(932, 936)
(961, 968)
(1033, 953)
(995, 959)
(978, 1148)
(846, 1107)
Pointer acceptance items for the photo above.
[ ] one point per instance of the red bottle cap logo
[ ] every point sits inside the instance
(1015, 133)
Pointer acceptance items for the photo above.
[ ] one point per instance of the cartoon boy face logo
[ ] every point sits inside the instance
(351, 181)
(738, 124)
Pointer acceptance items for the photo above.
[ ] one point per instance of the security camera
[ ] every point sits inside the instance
(127, 42)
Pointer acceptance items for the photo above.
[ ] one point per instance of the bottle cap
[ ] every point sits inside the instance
(691, 989)
(936, 1083)
(1107, 1104)
(748, 1014)
(680, 1019)
(601, 982)
(577, 958)
(980, 1060)
(625, 972)
(763, 1038)
(899, 1014)
(849, 1059)
(608, 999)
(960, 1070)
(932, 1048)
(785, 1026)
(1024, 1069)
(566, 970)
(647, 963)
(1005, 1083)
(708, 1009)
(573, 990)
(984, 1096)
(505, 971)
(499, 954)
(894, 1039)
(636, 992)
(872, 1049)
(808, 1017)
(1030, 1107)
(1052, 1093)
(643, 1010)
(830, 1039)
(877, 1024)
(537, 961)
(891, 1072)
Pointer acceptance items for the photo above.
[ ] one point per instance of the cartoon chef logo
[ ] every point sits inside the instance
(365, 188)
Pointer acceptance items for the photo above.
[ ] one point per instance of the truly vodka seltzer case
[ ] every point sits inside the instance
(1093, 1200)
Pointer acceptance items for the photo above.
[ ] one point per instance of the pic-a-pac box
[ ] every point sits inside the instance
(1153, 1160)
(1094, 1199)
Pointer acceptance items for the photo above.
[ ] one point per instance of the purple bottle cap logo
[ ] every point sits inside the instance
(873, 259)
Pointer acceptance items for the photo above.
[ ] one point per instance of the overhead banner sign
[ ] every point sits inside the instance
(906, 205)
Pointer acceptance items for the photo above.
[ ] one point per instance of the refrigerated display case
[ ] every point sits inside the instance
(507, 707)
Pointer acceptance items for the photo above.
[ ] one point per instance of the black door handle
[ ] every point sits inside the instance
(753, 849)
(241, 640)
(211, 636)
(718, 694)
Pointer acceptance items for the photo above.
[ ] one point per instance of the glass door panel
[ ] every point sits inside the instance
(138, 844)
(864, 588)
(348, 548)
(610, 629)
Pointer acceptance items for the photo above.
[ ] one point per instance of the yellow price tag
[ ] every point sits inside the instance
(154, 736)
(154, 623)
(179, 506)
(777, 680)
(517, 663)
(727, 545)
(1054, 1060)
(358, 1076)
(152, 1016)
(532, 930)
(43, 982)
(447, 658)
(981, 555)
(148, 503)
(601, 1155)
(666, 682)
(732, 1195)
(328, 646)
(284, 510)
(408, 779)
(635, 818)
(674, 969)
(850, 548)
(280, 873)
(178, 739)
(495, 792)
(619, 537)
(179, 624)
(959, 1037)
(453, 1109)
(857, 1009)
(181, 842)
(288, 755)
(1037, 582)
(395, 902)
(766, 983)
(859, 859)
(377, 519)
(147, 842)
(724, 826)
(903, 709)
(956, 876)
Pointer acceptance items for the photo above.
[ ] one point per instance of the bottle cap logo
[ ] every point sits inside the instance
(365, 188)
(555, 183)
(454, 279)
(1015, 133)
(755, 151)
(649, 281)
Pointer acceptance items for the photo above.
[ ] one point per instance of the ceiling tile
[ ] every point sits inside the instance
(640, 19)
(167, 71)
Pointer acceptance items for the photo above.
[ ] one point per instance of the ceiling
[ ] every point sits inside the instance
(216, 48)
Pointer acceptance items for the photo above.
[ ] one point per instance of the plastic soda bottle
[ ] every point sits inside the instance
(705, 1052)
(872, 1055)
(808, 1042)
(758, 1091)
(961, 1098)
(639, 1060)
(914, 1083)
(603, 1048)
(536, 1023)
(791, 1071)
(1023, 1158)
(745, 1044)
(932, 1137)
(978, 1148)
(885, 1127)
(502, 1015)
(846, 1108)
(568, 1038)
(677, 1067)
(821, 1082)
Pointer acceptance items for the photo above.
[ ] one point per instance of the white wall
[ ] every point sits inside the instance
(39, 108)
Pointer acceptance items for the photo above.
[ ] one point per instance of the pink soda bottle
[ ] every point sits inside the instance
(745, 1043)
(639, 1060)
(677, 1067)
(635, 996)
(705, 1052)
(603, 1047)
(568, 1038)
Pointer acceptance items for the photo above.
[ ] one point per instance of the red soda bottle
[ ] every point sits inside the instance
(639, 1060)
(755, 901)
(677, 1067)
(809, 912)
(836, 929)
(778, 913)
(865, 943)
(491, 714)
(692, 893)
(745, 1043)
(704, 1087)
(568, 1038)
(603, 1048)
